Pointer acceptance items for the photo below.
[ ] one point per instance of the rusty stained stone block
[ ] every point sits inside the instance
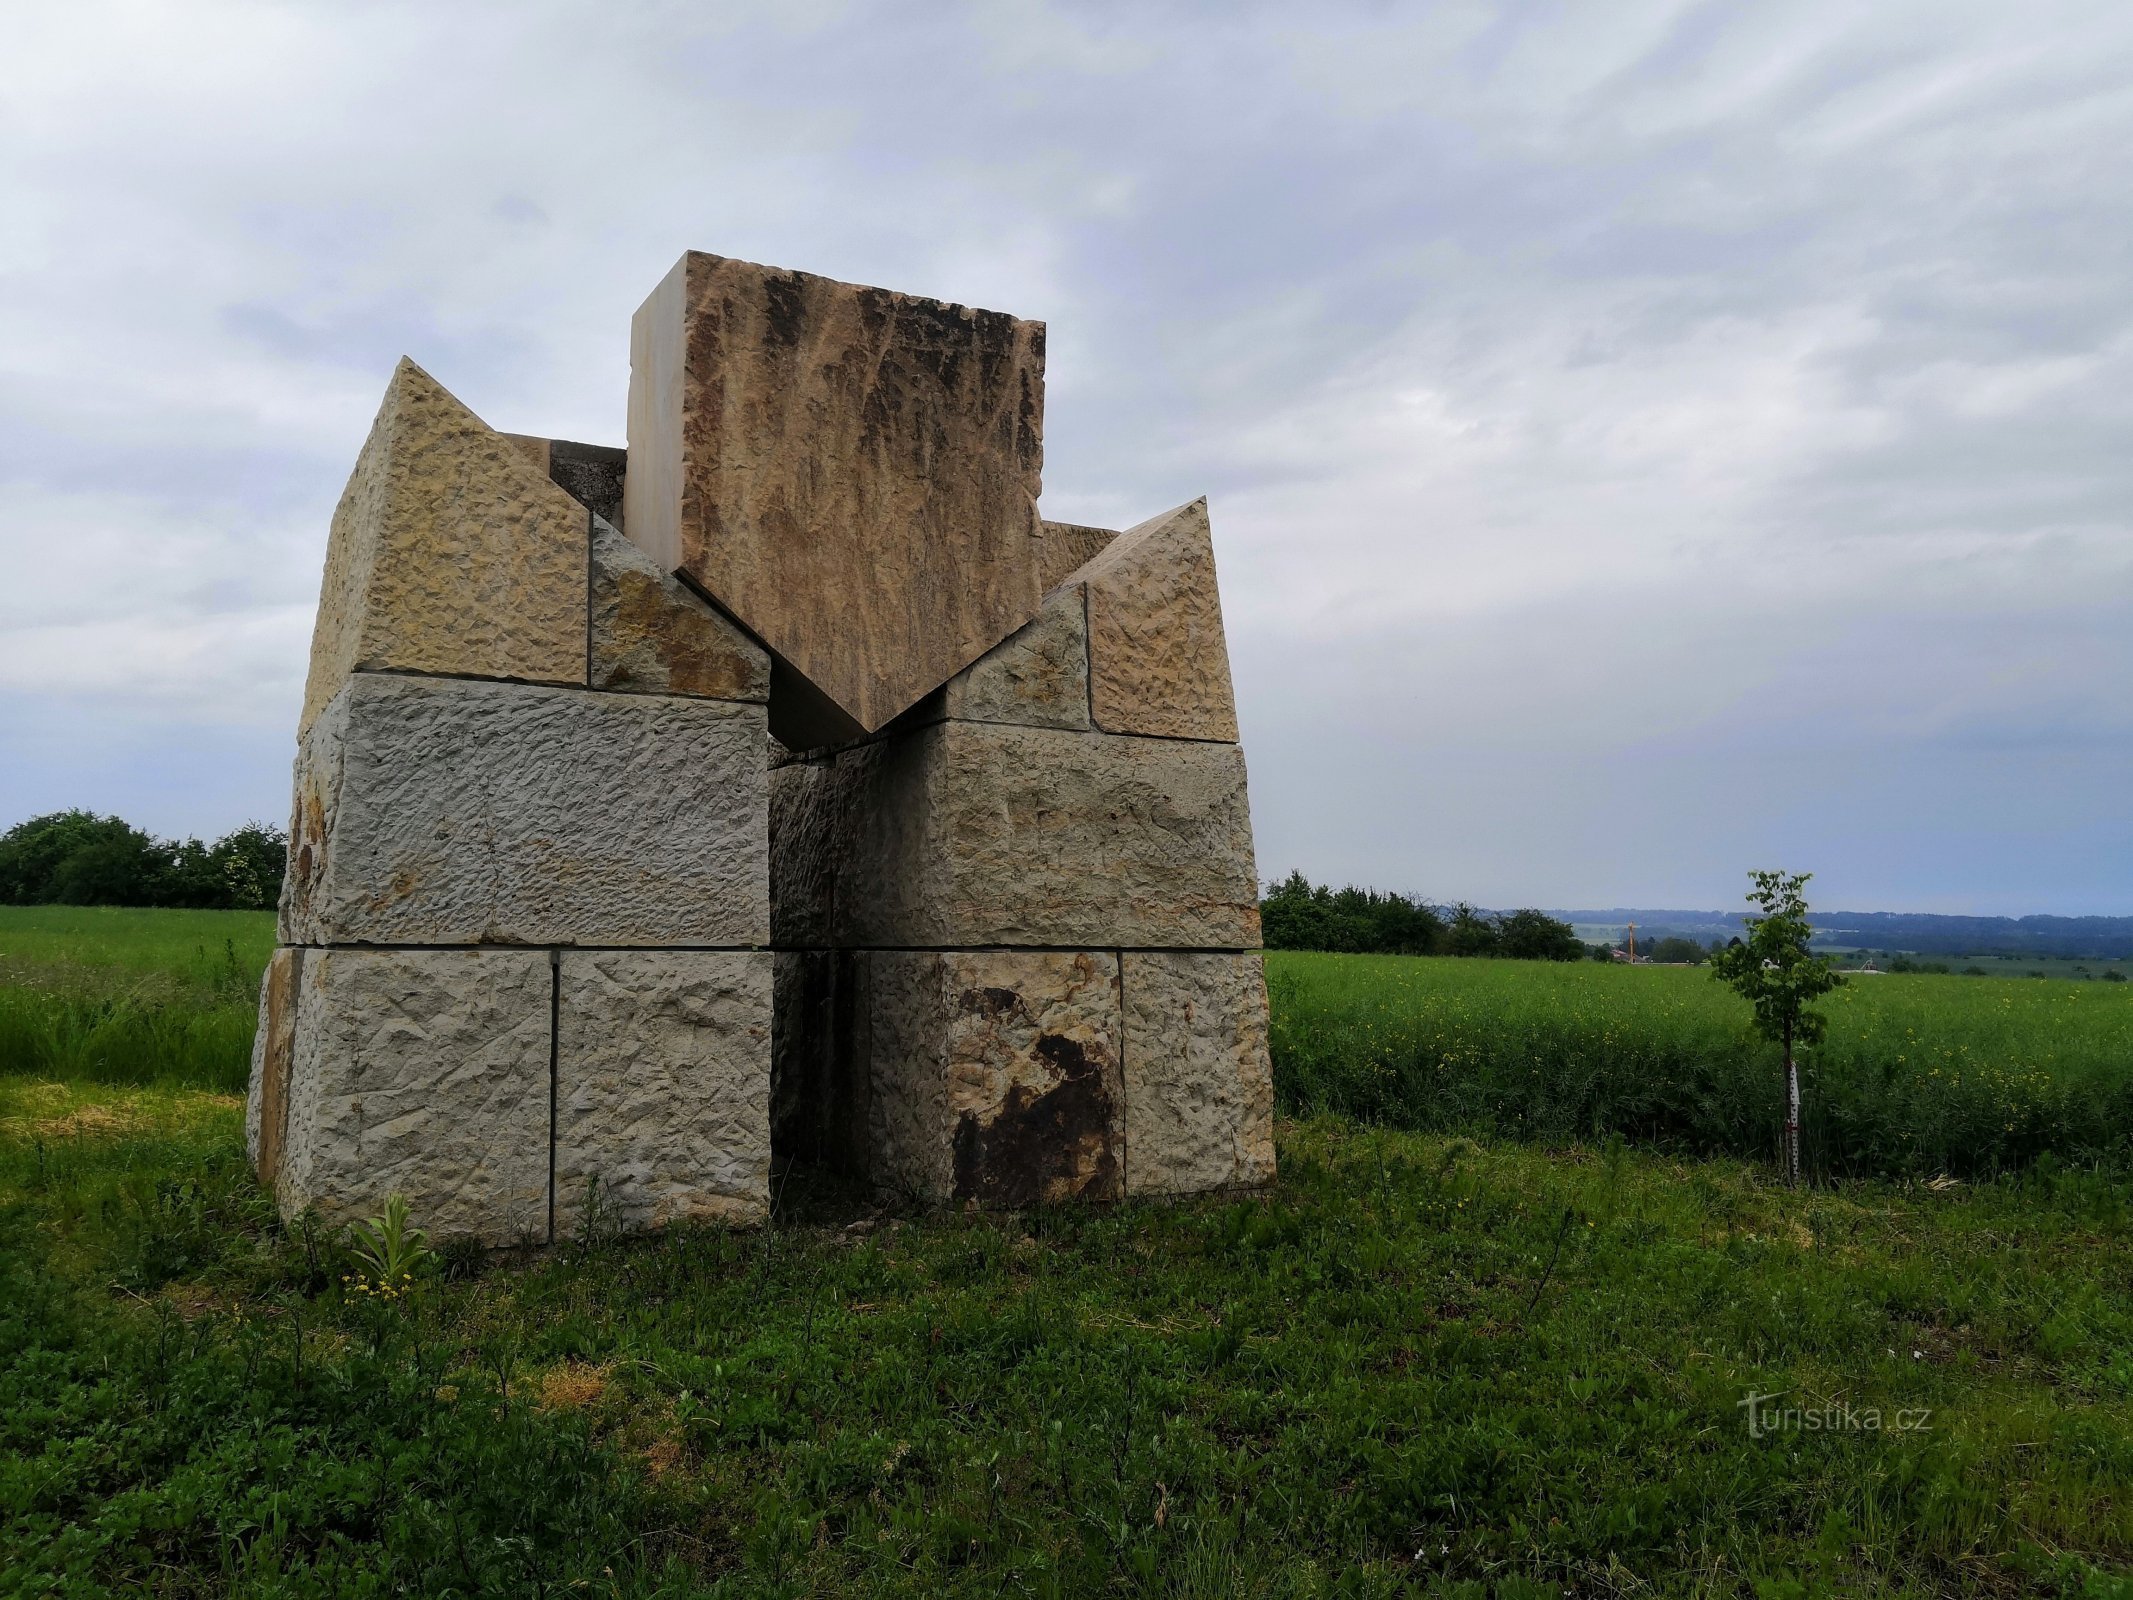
(993, 1076)
(650, 635)
(851, 472)
(450, 552)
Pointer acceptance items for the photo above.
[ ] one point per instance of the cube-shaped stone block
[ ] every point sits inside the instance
(1158, 660)
(650, 635)
(850, 472)
(993, 1076)
(450, 552)
(444, 811)
(423, 1073)
(1199, 1082)
(662, 1088)
(967, 834)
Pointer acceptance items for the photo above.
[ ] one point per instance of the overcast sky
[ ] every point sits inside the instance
(1645, 440)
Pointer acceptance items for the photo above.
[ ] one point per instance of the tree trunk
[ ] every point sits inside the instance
(1792, 1111)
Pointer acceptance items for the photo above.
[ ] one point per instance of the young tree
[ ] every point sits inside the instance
(1773, 971)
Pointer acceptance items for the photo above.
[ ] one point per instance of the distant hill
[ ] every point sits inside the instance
(2106, 938)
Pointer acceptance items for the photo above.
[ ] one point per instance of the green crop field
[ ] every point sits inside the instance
(1921, 1075)
(1425, 1363)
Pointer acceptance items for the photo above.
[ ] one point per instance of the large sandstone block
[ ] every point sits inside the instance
(440, 811)
(1069, 546)
(964, 834)
(650, 635)
(807, 835)
(851, 472)
(450, 552)
(423, 1073)
(1158, 661)
(1037, 676)
(994, 1075)
(266, 1101)
(1199, 1082)
(662, 1087)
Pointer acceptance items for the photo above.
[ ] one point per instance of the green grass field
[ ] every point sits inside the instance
(1425, 1363)
(1920, 1075)
(99, 994)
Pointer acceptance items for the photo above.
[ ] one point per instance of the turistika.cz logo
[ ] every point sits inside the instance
(1766, 1417)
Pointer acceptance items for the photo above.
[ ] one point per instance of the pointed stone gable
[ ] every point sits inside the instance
(1158, 662)
(451, 552)
(851, 473)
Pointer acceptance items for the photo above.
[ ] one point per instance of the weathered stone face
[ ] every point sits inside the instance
(851, 472)
(662, 1087)
(1158, 661)
(1199, 1084)
(266, 1103)
(423, 1073)
(650, 635)
(1069, 546)
(995, 1074)
(451, 552)
(966, 834)
(441, 811)
(1038, 676)
(806, 836)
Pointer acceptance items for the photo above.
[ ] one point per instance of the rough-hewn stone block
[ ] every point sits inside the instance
(650, 635)
(1038, 676)
(450, 552)
(423, 1073)
(1069, 546)
(806, 834)
(994, 1075)
(442, 811)
(266, 1101)
(964, 834)
(1158, 661)
(662, 1087)
(1199, 1083)
(851, 472)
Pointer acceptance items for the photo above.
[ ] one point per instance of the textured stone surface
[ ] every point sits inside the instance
(851, 472)
(590, 474)
(440, 811)
(266, 1102)
(450, 552)
(994, 1075)
(423, 1073)
(650, 635)
(806, 834)
(662, 1087)
(1068, 546)
(1158, 662)
(1199, 1084)
(967, 833)
(1038, 676)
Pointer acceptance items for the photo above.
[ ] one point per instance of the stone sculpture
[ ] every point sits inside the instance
(783, 783)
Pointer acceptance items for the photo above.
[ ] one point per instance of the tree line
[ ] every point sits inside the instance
(76, 858)
(1298, 914)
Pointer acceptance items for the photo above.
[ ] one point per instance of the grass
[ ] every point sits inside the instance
(1422, 1365)
(1920, 1074)
(101, 994)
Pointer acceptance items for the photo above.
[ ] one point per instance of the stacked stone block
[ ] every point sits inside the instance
(522, 964)
(783, 776)
(1018, 930)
